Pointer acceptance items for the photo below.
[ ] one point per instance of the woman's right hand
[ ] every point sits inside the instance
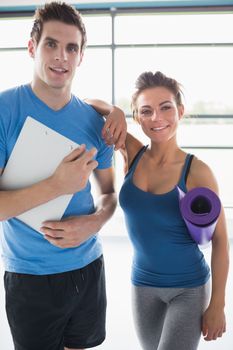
(115, 128)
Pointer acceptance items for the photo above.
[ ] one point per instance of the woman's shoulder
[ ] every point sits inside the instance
(130, 150)
(201, 175)
(199, 166)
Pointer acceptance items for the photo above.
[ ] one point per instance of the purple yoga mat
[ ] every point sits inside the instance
(200, 209)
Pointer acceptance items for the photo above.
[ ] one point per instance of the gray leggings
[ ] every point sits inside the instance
(169, 318)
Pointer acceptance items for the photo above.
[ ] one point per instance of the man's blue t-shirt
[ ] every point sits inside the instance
(25, 250)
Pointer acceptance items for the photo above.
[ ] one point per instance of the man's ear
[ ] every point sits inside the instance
(80, 59)
(31, 48)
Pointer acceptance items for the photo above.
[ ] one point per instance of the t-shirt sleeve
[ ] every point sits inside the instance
(94, 124)
(104, 157)
(4, 117)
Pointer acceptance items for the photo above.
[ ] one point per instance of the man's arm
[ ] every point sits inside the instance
(70, 176)
(73, 231)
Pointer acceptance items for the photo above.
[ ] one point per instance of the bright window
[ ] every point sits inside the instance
(205, 72)
(173, 28)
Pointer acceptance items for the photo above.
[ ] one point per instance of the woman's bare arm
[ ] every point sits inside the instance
(115, 130)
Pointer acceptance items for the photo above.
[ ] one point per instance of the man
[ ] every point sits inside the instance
(55, 283)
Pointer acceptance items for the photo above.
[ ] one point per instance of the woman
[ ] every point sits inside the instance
(172, 303)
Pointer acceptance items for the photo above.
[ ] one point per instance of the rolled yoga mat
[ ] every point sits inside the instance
(200, 209)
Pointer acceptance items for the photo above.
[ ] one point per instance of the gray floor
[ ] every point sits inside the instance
(120, 331)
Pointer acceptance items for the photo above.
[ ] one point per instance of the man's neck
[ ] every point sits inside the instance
(55, 98)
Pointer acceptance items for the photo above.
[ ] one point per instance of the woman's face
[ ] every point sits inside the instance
(158, 113)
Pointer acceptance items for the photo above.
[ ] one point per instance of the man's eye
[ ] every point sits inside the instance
(72, 49)
(51, 44)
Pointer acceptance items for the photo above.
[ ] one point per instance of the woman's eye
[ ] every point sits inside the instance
(146, 112)
(164, 108)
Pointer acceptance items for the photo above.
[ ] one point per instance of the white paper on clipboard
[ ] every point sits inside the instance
(35, 156)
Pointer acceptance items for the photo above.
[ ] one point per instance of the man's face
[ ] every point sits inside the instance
(57, 55)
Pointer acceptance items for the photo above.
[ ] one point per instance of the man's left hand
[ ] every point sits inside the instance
(70, 232)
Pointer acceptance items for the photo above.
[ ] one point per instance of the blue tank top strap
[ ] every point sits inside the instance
(137, 158)
(185, 171)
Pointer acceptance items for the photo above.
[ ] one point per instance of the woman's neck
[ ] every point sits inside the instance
(163, 153)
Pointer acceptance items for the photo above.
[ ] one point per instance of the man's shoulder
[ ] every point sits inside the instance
(10, 100)
(86, 108)
(6, 96)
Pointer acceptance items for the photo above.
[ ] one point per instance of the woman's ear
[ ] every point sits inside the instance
(181, 111)
(136, 117)
(31, 48)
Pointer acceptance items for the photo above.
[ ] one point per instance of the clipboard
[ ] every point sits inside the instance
(36, 154)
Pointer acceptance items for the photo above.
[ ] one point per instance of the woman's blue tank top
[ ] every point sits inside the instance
(165, 255)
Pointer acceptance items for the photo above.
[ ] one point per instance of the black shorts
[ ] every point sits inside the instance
(49, 312)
